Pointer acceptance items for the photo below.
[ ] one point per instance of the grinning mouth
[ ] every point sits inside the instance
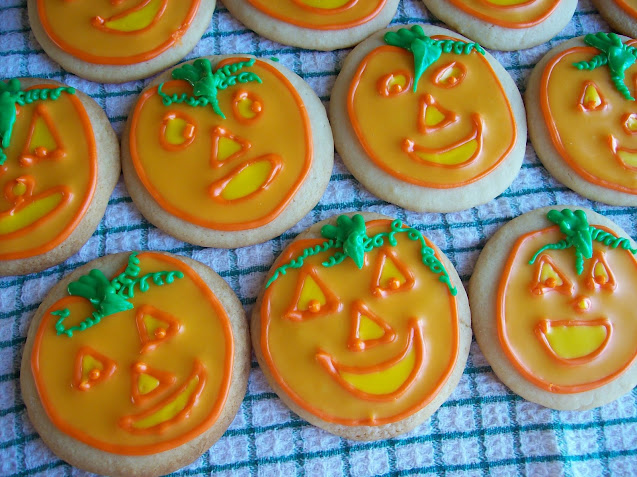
(134, 20)
(574, 342)
(626, 157)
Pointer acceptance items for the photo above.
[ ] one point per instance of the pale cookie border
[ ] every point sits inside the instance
(616, 17)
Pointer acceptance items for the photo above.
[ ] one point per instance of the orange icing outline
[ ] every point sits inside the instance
(457, 79)
(542, 328)
(77, 218)
(627, 8)
(355, 343)
(332, 303)
(165, 378)
(625, 120)
(321, 11)
(190, 131)
(148, 344)
(505, 23)
(26, 159)
(257, 106)
(591, 283)
(293, 250)
(450, 117)
(583, 107)
(615, 148)
(48, 321)
(217, 133)
(510, 353)
(100, 23)
(538, 287)
(371, 154)
(109, 368)
(123, 60)
(216, 188)
(379, 291)
(553, 130)
(168, 207)
(388, 91)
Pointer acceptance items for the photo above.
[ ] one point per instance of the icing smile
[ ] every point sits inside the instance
(384, 381)
(458, 154)
(134, 20)
(626, 157)
(574, 342)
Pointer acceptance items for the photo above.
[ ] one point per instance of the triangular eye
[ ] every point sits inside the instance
(177, 131)
(390, 274)
(312, 297)
(155, 327)
(247, 107)
(599, 273)
(148, 382)
(395, 83)
(433, 116)
(367, 329)
(548, 277)
(629, 123)
(591, 98)
(450, 75)
(43, 141)
(91, 368)
(226, 147)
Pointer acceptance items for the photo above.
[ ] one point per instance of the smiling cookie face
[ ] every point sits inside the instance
(446, 133)
(509, 13)
(116, 32)
(361, 347)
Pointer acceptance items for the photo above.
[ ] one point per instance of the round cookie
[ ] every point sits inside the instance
(314, 24)
(507, 26)
(119, 40)
(363, 329)
(582, 126)
(620, 14)
(552, 301)
(230, 158)
(139, 375)
(57, 146)
(439, 130)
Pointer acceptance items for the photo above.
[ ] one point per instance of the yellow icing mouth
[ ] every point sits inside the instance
(626, 157)
(248, 179)
(458, 154)
(133, 20)
(325, 4)
(384, 381)
(574, 342)
(508, 3)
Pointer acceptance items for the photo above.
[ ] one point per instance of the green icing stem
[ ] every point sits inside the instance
(110, 297)
(427, 253)
(11, 95)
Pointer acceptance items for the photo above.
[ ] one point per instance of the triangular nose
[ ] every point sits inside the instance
(367, 329)
(432, 116)
(226, 146)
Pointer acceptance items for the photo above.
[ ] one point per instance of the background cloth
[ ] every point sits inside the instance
(483, 429)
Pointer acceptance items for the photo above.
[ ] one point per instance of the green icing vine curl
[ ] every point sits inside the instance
(110, 297)
(580, 235)
(426, 50)
(349, 235)
(11, 94)
(206, 84)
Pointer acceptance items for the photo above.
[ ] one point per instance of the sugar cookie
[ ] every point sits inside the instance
(620, 14)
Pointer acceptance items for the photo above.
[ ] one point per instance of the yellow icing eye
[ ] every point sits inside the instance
(177, 131)
(630, 123)
(591, 98)
(312, 298)
(394, 83)
(390, 274)
(599, 273)
(247, 107)
(449, 75)
(548, 277)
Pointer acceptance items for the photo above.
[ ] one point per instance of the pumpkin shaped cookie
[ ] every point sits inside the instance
(314, 24)
(505, 24)
(363, 327)
(583, 117)
(552, 298)
(113, 41)
(140, 368)
(56, 146)
(620, 14)
(229, 152)
(413, 122)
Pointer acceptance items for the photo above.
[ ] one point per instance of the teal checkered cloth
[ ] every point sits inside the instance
(483, 429)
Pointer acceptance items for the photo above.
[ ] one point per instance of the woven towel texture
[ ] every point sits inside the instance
(482, 429)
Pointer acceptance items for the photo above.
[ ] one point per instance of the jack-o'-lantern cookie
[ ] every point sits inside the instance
(582, 116)
(505, 24)
(427, 121)
(620, 14)
(363, 327)
(56, 146)
(553, 308)
(314, 24)
(135, 364)
(114, 41)
(227, 151)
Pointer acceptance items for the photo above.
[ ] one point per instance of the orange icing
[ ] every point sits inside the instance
(593, 141)
(372, 359)
(193, 367)
(509, 13)
(190, 182)
(469, 135)
(304, 13)
(629, 6)
(54, 186)
(81, 28)
(525, 318)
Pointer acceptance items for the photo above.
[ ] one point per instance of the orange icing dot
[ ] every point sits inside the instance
(146, 28)
(508, 13)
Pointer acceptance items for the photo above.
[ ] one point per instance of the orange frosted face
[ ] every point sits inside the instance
(116, 32)
(127, 384)
(593, 127)
(321, 14)
(48, 178)
(509, 13)
(446, 134)
(228, 174)
(360, 347)
(564, 332)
